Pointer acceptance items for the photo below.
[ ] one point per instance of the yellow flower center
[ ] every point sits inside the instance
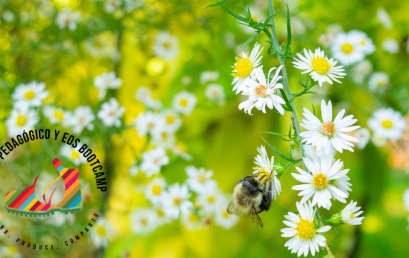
(170, 119)
(347, 48)
(177, 201)
(164, 135)
(112, 113)
(144, 221)
(320, 181)
(59, 115)
(12, 249)
(151, 125)
(226, 214)
(166, 45)
(261, 91)
(211, 199)
(75, 154)
(201, 178)
(242, 67)
(320, 65)
(101, 230)
(156, 190)
(352, 216)
(328, 129)
(21, 120)
(387, 124)
(193, 218)
(160, 213)
(306, 229)
(29, 94)
(215, 93)
(183, 102)
(363, 42)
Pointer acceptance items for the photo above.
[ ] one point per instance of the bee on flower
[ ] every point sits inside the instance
(265, 167)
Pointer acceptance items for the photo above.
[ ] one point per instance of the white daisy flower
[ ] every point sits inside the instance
(215, 93)
(327, 180)
(365, 44)
(184, 102)
(209, 76)
(319, 67)
(161, 216)
(106, 81)
(112, 5)
(153, 160)
(172, 120)
(102, 232)
(111, 113)
(155, 189)
(244, 66)
(103, 45)
(323, 134)
(30, 95)
(68, 18)
(350, 214)
(164, 138)
(73, 154)
(387, 123)
(361, 70)
(180, 150)
(10, 251)
(363, 135)
(406, 199)
(384, 18)
(191, 221)
(378, 82)
(176, 200)
(134, 169)
(305, 236)
(143, 94)
(378, 141)
(8, 16)
(166, 46)
(81, 118)
(56, 115)
(345, 48)
(221, 217)
(143, 221)
(262, 92)
(208, 199)
(21, 119)
(265, 167)
(147, 122)
(198, 179)
(390, 46)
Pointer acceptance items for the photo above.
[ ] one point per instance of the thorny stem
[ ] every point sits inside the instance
(274, 41)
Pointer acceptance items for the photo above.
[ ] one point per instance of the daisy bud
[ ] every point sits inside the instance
(280, 167)
(336, 219)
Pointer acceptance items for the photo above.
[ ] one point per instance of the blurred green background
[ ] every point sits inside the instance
(218, 137)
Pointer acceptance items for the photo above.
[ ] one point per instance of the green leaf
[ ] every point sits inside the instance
(313, 109)
(249, 40)
(235, 15)
(279, 134)
(288, 29)
(274, 149)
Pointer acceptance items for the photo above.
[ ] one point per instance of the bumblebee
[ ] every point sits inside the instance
(251, 196)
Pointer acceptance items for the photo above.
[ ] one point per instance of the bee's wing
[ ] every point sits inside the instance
(232, 209)
(255, 218)
(267, 194)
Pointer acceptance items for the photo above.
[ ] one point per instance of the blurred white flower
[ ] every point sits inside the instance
(262, 92)
(311, 151)
(346, 48)
(153, 160)
(112, 5)
(68, 18)
(56, 115)
(8, 16)
(176, 200)
(361, 70)
(327, 180)
(180, 150)
(363, 135)
(350, 214)
(134, 169)
(378, 141)
(155, 190)
(147, 122)
(208, 199)
(73, 154)
(81, 118)
(143, 94)
(29, 95)
(387, 123)
(21, 120)
(9, 251)
(143, 221)
(191, 221)
(106, 81)
(165, 45)
(319, 67)
(184, 102)
(102, 45)
(266, 166)
(164, 138)
(298, 26)
(364, 43)
(172, 120)
(161, 216)
(326, 39)
(102, 232)
(186, 80)
(406, 199)
(131, 5)
(209, 76)
(323, 134)
(221, 217)
(199, 179)
(384, 18)
(215, 93)
(391, 46)
(334, 28)
(378, 82)
(111, 113)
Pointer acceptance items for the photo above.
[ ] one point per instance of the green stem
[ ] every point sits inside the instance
(274, 41)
